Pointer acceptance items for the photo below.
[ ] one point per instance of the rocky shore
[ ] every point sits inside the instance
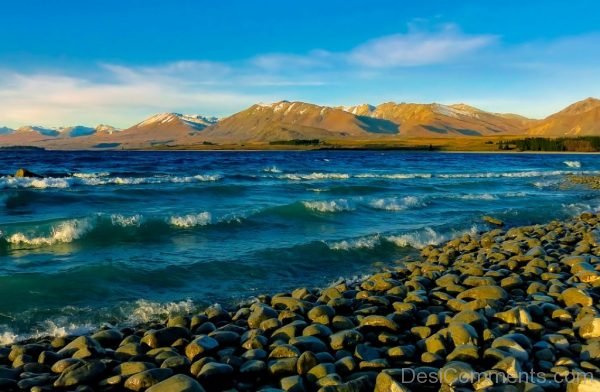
(507, 310)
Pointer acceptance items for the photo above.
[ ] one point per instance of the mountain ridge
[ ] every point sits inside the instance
(288, 120)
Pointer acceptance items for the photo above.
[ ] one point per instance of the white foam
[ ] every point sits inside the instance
(272, 169)
(64, 232)
(394, 204)
(126, 221)
(394, 176)
(48, 328)
(573, 164)
(91, 175)
(520, 174)
(314, 176)
(141, 311)
(145, 310)
(97, 179)
(359, 243)
(427, 236)
(328, 206)
(191, 220)
(478, 196)
(575, 209)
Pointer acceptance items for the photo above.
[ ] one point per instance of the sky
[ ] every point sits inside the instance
(67, 62)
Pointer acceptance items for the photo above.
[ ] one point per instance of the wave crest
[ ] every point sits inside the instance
(191, 220)
(328, 206)
(64, 232)
(99, 179)
(394, 204)
(314, 176)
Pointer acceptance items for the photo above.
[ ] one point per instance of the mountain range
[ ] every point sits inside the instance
(283, 121)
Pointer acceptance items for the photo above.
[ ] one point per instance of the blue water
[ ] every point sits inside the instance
(118, 237)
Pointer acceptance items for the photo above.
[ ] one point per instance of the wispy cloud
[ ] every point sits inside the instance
(419, 48)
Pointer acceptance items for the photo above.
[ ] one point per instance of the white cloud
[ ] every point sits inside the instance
(418, 48)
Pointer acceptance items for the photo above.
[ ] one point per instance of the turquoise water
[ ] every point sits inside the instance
(120, 237)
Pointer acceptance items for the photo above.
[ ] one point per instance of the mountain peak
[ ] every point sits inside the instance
(196, 121)
(580, 107)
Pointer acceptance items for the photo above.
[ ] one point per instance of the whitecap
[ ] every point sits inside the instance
(91, 175)
(191, 220)
(271, 169)
(63, 232)
(573, 164)
(126, 221)
(427, 236)
(394, 176)
(328, 206)
(359, 243)
(314, 176)
(395, 204)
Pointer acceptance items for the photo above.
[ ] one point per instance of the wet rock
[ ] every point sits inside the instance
(143, 380)
(177, 383)
(80, 373)
(200, 346)
(456, 373)
(24, 173)
(574, 296)
(347, 339)
(484, 292)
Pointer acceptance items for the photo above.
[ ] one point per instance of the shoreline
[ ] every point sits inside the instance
(502, 302)
(407, 150)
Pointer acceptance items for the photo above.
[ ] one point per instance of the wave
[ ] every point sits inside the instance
(105, 227)
(574, 209)
(402, 176)
(64, 232)
(91, 175)
(90, 179)
(416, 239)
(328, 206)
(78, 321)
(126, 221)
(192, 220)
(359, 243)
(394, 204)
(314, 176)
(394, 176)
(428, 236)
(573, 164)
(272, 169)
(520, 174)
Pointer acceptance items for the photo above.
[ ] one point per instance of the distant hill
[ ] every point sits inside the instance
(579, 119)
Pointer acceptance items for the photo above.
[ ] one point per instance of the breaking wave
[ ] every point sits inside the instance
(395, 204)
(125, 314)
(573, 164)
(192, 220)
(89, 179)
(328, 206)
(429, 236)
(314, 176)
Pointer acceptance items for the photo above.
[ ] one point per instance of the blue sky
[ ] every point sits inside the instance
(72, 62)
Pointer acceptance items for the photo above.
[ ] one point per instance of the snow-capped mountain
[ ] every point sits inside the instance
(169, 120)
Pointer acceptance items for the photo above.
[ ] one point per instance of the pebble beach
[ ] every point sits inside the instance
(503, 310)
